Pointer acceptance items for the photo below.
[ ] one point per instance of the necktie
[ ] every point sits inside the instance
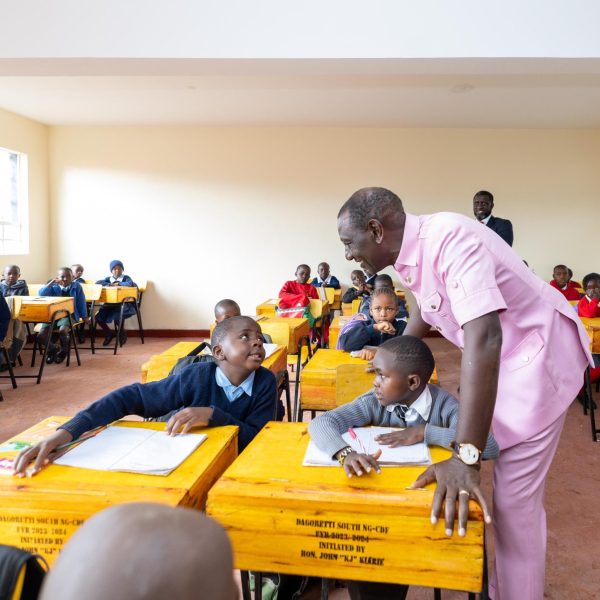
(400, 411)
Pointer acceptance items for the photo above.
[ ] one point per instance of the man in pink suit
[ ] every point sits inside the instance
(524, 356)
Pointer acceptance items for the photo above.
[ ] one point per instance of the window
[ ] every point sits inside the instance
(14, 222)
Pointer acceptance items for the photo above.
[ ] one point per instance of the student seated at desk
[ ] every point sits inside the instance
(111, 312)
(325, 278)
(401, 397)
(12, 284)
(77, 273)
(383, 281)
(299, 292)
(560, 281)
(233, 390)
(225, 309)
(588, 305)
(359, 288)
(62, 286)
(144, 551)
(363, 333)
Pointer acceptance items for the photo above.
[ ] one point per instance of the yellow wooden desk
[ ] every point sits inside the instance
(116, 293)
(320, 379)
(337, 300)
(40, 513)
(592, 326)
(159, 365)
(283, 517)
(297, 329)
(335, 327)
(268, 307)
(41, 309)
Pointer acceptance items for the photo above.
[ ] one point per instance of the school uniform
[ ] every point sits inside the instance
(365, 307)
(588, 307)
(459, 271)
(110, 312)
(351, 294)
(19, 288)
(570, 291)
(79, 280)
(331, 282)
(294, 294)
(73, 290)
(249, 406)
(362, 333)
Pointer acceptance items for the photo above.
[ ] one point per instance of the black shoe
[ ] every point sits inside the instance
(122, 338)
(51, 355)
(81, 338)
(3, 367)
(60, 356)
(108, 339)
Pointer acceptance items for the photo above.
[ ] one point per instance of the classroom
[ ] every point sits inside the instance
(208, 157)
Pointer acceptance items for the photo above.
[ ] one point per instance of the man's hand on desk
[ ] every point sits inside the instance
(188, 418)
(40, 453)
(404, 437)
(357, 464)
(455, 481)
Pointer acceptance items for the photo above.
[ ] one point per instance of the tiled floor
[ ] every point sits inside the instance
(573, 508)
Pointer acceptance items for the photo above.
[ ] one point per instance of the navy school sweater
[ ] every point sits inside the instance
(363, 334)
(193, 386)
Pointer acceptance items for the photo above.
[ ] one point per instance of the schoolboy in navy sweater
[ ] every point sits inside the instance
(234, 390)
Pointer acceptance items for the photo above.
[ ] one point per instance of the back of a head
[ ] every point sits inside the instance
(227, 308)
(412, 355)
(383, 280)
(373, 203)
(143, 551)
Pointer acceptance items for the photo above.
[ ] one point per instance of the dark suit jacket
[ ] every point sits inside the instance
(503, 227)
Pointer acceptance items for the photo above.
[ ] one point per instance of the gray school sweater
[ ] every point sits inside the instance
(326, 430)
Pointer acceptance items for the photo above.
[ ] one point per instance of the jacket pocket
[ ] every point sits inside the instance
(524, 354)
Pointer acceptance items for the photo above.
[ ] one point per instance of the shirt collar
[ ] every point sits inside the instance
(422, 405)
(114, 279)
(233, 392)
(322, 281)
(408, 250)
(485, 221)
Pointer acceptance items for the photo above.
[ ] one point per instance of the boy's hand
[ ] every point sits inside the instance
(406, 437)
(357, 464)
(188, 418)
(40, 452)
(385, 327)
(367, 354)
(57, 280)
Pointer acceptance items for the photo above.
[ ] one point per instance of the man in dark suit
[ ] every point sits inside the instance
(483, 203)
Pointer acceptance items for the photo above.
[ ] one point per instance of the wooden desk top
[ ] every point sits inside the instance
(40, 309)
(284, 517)
(41, 512)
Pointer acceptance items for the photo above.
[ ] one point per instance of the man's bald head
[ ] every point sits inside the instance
(373, 203)
(144, 551)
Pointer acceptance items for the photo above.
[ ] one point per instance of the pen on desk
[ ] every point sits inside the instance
(353, 435)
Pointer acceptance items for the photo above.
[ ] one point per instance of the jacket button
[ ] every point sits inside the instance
(408, 279)
(433, 306)
(526, 359)
(455, 284)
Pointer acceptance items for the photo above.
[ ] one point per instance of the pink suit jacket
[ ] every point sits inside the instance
(459, 270)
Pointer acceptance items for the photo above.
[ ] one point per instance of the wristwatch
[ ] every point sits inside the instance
(468, 453)
(342, 454)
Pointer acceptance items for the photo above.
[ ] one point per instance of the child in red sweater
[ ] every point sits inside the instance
(588, 305)
(298, 292)
(562, 282)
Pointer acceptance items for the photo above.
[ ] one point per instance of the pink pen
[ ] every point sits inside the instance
(356, 438)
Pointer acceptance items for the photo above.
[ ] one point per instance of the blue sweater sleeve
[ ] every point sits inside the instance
(80, 304)
(334, 283)
(357, 337)
(47, 290)
(4, 318)
(264, 407)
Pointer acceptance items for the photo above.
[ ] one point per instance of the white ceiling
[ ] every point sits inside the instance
(494, 93)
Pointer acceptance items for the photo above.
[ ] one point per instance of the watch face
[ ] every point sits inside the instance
(469, 454)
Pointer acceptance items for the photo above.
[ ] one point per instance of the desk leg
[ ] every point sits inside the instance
(257, 585)
(324, 588)
(245, 585)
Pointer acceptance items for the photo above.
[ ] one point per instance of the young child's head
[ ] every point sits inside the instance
(237, 345)
(144, 551)
(64, 276)
(323, 270)
(591, 284)
(11, 274)
(116, 268)
(302, 273)
(225, 309)
(560, 274)
(403, 366)
(358, 278)
(77, 270)
(384, 305)
(383, 281)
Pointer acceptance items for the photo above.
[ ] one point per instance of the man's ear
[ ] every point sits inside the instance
(376, 229)
(218, 352)
(414, 382)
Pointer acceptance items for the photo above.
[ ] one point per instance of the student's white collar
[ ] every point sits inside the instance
(421, 405)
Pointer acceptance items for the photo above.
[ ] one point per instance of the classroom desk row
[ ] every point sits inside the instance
(280, 515)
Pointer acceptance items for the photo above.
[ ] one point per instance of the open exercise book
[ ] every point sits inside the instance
(132, 449)
(417, 454)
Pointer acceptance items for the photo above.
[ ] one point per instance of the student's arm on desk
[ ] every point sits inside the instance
(478, 387)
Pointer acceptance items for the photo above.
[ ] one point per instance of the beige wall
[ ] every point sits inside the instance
(207, 213)
(23, 135)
